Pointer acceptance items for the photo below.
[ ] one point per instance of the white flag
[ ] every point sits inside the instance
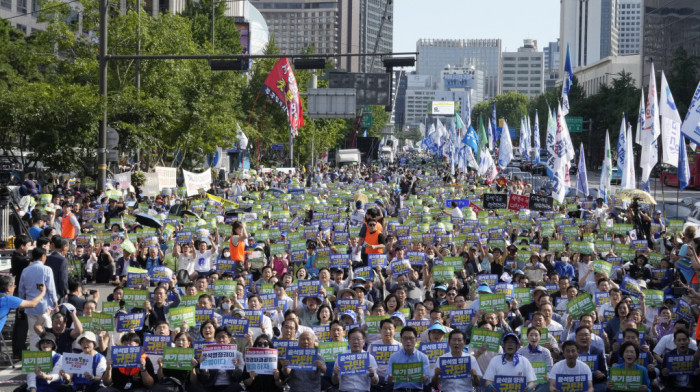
(640, 121)
(242, 138)
(691, 124)
(670, 124)
(629, 161)
(559, 168)
(505, 150)
(606, 173)
(652, 130)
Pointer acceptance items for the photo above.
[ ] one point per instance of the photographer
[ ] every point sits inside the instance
(641, 222)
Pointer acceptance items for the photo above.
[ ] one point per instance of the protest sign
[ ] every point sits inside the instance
(540, 369)
(43, 359)
(625, 379)
(219, 356)
(382, 352)
(492, 302)
(518, 202)
(128, 357)
(679, 364)
(572, 382)
(460, 317)
(494, 201)
(178, 358)
(407, 372)
(510, 383)
(454, 368)
(354, 363)
(154, 344)
(630, 286)
(541, 203)
(77, 363)
(376, 260)
(161, 274)
(481, 336)
(261, 360)
(301, 358)
(283, 345)
(330, 350)
(178, 316)
(580, 305)
(135, 298)
(433, 349)
(129, 321)
(237, 326)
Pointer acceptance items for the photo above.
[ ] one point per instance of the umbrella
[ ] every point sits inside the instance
(148, 220)
(361, 197)
(630, 194)
(191, 213)
(276, 190)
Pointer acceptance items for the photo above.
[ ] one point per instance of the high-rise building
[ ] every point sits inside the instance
(551, 65)
(523, 71)
(298, 25)
(590, 29)
(463, 78)
(366, 26)
(629, 23)
(668, 24)
(23, 14)
(483, 54)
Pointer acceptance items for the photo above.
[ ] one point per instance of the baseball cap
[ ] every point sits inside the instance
(350, 314)
(510, 335)
(484, 288)
(399, 316)
(437, 327)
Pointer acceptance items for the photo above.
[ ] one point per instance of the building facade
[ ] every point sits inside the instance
(523, 71)
(593, 76)
(590, 28)
(366, 26)
(667, 25)
(551, 65)
(629, 26)
(483, 54)
(463, 79)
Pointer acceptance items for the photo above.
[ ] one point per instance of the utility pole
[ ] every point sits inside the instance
(102, 139)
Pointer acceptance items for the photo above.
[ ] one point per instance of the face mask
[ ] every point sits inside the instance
(565, 259)
(226, 305)
(226, 254)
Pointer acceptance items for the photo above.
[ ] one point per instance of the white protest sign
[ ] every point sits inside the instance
(167, 177)
(124, 180)
(196, 181)
(150, 188)
(77, 363)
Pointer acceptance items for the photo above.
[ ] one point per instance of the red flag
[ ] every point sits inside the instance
(281, 87)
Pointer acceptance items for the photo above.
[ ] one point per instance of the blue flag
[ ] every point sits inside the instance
(364, 134)
(471, 139)
(683, 169)
(536, 139)
(568, 81)
(582, 183)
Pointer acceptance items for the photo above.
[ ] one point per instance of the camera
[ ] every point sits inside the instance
(635, 204)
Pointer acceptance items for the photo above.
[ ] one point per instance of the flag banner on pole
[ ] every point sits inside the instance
(281, 87)
(505, 151)
(606, 172)
(683, 168)
(640, 121)
(582, 178)
(691, 124)
(494, 123)
(536, 139)
(670, 124)
(568, 81)
(651, 131)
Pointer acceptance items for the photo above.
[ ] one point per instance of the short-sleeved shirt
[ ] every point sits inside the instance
(7, 303)
(460, 384)
(356, 382)
(497, 368)
(561, 368)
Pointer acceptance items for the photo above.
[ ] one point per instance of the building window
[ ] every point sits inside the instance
(22, 28)
(22, 6)
(6, 4)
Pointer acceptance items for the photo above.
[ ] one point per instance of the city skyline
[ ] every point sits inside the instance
(442, 15)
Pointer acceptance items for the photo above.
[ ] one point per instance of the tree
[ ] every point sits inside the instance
(683, 78)
(511, 106)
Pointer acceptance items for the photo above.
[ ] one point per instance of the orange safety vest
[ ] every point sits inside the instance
(373, 239)
(67, 228)
(237, 251)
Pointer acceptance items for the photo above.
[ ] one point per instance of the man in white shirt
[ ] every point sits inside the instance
(509, 364)
(571, 367)
(455, 212)
(457, 343)
(666, 343)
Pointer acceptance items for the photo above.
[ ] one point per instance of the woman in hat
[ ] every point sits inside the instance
(46, 382)
(90, 380)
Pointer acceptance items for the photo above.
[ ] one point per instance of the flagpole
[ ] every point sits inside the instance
(260, 126)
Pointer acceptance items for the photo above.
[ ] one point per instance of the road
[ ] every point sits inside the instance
(655, 186)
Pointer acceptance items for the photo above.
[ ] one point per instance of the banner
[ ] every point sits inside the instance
(541, 203)
(167, 177)
(219, 356)
(128, 357)
(329, 351)
(178, 316)
(261, 360)
(460, 317)
(281, 87)
(494, 201)
(283, 346)
(124, 180)
(196, 181)
(453, 368)
(237, 326)
(630, 286)
(353, 363)
(178, 358)
(490, 303)
(433, 349)
(43, 359)
(135, 298)
(150, 187)
(518, 202)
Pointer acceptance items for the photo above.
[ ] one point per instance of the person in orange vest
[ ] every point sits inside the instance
(70, 227)
(374, 241)
(237, 245)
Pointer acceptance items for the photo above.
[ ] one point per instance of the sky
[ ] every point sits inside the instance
(510, 20)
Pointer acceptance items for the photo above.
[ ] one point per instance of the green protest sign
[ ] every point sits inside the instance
(407, 372)
(443, 273)
(373, 322)
(602, 267)
(625, 379)
(582, 304)
(540, 369)
(177, 358)
(492, 302)
(135, 298)
(523, 295)
(30, 359)
(481, 336)
(178, 316)
(102, 321)
(224, 288)
(653, 297)
(110, 307)
(330, 350)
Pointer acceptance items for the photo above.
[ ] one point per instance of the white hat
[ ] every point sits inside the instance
(89, 336)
